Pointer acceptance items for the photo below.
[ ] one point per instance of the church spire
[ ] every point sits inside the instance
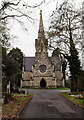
(41, 43)
(41, 27)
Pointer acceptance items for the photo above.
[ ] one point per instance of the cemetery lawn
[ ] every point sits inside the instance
(58, 88)
(12, 109)
(75, 99)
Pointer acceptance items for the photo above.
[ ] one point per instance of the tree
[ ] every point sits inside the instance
(82, 81)
(9, 69)
(4, 35)
(14, 10)
(17, 55)
(18, 6)
(60, 20)
(65, 32)
(64, 65)
(74, 66)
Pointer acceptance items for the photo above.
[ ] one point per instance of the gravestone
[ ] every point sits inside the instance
(8, 88)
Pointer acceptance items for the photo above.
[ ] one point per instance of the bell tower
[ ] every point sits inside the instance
(41, 44)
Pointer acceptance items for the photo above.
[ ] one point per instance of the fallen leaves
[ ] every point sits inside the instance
(11, 109)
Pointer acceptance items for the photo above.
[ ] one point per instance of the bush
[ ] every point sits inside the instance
(16, 91)
(22, 91)
(8, 97)
(68, 84)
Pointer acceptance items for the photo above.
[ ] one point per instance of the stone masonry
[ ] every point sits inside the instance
(41, 70)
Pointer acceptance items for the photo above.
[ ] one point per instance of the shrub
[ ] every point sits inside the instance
(8, 97)
(22, 91)
(68, 84)
(16, 91)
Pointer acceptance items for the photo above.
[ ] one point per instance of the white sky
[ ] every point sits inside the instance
(26, 41)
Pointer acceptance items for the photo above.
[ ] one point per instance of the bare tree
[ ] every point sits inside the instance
(14, 10)
(63, 19)
(18, 7)
(65, 33)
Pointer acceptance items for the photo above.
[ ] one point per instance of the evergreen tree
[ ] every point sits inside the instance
(9, 70)
(75, 70)
(82, 81)
(74, 63)
(64, 65)
(17, 55)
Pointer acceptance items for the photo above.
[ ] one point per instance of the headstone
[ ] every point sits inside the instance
(21, 83)
(26, 92)
(8, 88)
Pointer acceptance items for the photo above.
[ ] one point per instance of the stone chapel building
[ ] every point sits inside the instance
(41, 70)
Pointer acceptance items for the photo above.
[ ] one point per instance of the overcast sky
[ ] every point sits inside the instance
(26, 40)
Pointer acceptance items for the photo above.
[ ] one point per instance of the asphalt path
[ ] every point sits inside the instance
(50, 104)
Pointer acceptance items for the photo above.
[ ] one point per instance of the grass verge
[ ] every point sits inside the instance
(75, 99)
(12, 109)
(59, 88)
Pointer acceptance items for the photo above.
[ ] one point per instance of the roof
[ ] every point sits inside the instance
(28, 63)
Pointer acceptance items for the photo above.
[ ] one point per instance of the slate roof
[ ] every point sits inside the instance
(28, 62)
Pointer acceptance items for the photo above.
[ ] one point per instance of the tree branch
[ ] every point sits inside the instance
(6, 4)
(33, 6)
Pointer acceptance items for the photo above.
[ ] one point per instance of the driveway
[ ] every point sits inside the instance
(49, 104)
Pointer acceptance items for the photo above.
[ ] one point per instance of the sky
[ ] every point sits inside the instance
(25, 40)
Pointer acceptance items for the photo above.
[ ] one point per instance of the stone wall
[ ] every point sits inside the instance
(59, 79)
(27, 75)
(25, 83)
(43, 60)
(50, 82)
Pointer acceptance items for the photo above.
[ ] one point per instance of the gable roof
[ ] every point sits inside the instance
(28, 63)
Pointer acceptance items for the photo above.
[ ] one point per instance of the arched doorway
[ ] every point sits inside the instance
(43, 83)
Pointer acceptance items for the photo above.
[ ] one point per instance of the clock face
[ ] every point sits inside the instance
(42, 68)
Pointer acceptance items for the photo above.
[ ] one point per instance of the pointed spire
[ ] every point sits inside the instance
(41, 27)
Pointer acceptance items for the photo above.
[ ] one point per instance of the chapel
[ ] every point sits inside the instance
(42, 71)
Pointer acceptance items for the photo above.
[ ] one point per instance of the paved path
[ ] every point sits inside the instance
(49, 104)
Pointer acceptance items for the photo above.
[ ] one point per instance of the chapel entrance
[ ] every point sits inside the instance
(43, 83)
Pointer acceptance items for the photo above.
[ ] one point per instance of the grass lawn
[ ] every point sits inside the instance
(59, 88)
(75, 99)
(11, 109)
